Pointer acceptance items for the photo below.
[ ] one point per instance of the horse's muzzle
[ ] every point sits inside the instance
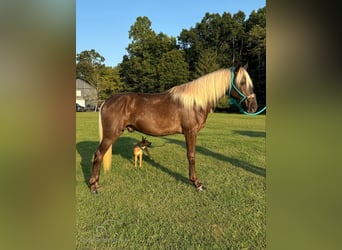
(252, 104)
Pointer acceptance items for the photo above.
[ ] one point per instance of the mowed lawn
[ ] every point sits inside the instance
(156, 207)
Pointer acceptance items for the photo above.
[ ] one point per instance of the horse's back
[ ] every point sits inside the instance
(139, 101)
(153, 114)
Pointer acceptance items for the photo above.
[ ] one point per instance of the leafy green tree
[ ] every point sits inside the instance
(156, 62)
(221, 35)
(256, 17)
(90, 66)
(141, 69)
(110, 82)
(89, 63)
(237, 36)
(173, 70)
(163, 44)
(207, 63)
(257, 42)
(130, 69)
(190, 44)
(220, 41)
(256, 52)
(138, 67)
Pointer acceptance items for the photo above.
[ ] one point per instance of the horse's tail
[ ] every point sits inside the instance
(107, 157)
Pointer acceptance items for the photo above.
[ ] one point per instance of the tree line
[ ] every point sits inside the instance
(156, 62)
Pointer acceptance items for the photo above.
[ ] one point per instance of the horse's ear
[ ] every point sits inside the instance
(246, 66)
(237, 68)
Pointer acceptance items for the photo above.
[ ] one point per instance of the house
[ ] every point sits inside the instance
(86, 95)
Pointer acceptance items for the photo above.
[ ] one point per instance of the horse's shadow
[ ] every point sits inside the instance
(235, 162)
(122, 147)
(86, 150)
(251, 133)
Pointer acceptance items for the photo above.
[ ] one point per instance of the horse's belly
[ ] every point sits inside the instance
(162, 124)
(158, 129)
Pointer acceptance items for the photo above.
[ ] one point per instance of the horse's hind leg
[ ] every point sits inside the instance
(98, 156)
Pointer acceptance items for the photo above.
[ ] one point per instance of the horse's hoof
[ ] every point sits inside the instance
(201, 188)
(93, 189)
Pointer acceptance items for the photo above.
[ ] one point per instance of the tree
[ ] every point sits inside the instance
(206, 36)
(238, 36)
(156, 62)
(256, 17)
(89, 66)
(173, 70)
(109, 82)
(190, 44)
(140, 67)
(256, 52)
(257, 42)
(207, 63)
(221, 35)
(89, 63)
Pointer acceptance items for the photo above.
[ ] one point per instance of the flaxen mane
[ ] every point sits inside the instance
(204, 91)
(243, 76)
(208, 89)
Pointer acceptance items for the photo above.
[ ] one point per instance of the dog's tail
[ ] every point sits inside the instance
(107, 157)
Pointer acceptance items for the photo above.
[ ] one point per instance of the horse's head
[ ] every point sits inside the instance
(244, 93)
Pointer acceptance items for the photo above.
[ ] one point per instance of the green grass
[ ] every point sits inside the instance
(156, 207)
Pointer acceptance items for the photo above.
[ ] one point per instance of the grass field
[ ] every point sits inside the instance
(156, 207)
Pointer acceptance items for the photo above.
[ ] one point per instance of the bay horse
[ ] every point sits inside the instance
(182, 109)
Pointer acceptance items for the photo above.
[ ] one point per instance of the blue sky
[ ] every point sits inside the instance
(103, 25)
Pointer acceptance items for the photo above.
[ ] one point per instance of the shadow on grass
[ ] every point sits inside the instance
(86, 149)
(235, 162)
(166, 170)
(250, 133)
(124, 145)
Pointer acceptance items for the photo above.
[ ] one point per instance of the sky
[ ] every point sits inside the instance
(103, 25)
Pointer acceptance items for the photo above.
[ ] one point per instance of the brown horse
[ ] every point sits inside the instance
(182, 109)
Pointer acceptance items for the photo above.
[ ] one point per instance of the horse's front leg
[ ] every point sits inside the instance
(190, 139)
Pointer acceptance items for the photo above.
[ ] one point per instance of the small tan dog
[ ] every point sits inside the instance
(139, 149)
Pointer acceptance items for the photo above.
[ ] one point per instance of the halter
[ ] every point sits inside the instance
(232, 101)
